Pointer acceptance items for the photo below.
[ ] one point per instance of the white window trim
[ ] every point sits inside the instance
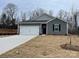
(55, 27)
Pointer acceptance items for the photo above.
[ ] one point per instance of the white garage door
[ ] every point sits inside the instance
(29, 30)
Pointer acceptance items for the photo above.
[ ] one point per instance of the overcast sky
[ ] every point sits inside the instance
(29, 5)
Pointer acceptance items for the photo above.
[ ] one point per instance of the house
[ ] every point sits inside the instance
(44, 24)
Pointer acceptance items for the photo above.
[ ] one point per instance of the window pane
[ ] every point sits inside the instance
(56, 27)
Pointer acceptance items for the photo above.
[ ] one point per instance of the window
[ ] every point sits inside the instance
(56, 27)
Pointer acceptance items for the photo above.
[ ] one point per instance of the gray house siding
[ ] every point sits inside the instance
(49, 21)
(57, 21)
(40, 29)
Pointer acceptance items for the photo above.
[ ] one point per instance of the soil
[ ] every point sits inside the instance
(45, 46)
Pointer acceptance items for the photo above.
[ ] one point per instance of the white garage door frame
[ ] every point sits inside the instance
(29, 29)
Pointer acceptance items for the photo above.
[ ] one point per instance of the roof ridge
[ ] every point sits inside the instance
(42, 15)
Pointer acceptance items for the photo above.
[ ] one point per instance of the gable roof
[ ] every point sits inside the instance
(57, 19)
(44, 14)
(35, 21)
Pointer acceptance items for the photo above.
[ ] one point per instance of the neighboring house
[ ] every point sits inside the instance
(43, 24)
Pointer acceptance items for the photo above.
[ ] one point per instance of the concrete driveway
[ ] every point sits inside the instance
(8, 43)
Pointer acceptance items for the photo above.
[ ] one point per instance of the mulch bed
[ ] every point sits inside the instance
(70, 47)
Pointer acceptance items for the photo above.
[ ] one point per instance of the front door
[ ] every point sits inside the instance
(43, 28)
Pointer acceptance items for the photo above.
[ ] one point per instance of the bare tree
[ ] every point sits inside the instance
(60, 14)
(75, 19)
(40, 11)
(3, 18)
(37, 12)
(51, 12)
(8, 21)
(23, 15)
(64, 15)
(10, 10)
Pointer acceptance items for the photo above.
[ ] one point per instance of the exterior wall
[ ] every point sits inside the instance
(64, 29)
(40, 29)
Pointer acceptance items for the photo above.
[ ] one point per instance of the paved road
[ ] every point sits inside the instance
(8, 43)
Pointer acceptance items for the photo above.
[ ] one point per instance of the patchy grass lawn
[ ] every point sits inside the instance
(45, 46)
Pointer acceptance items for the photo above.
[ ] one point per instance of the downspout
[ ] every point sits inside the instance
(46, 28)
(18, 29)
(18, 32)
(40, 30)
(67, 29)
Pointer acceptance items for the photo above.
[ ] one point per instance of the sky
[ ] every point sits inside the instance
(29, 5)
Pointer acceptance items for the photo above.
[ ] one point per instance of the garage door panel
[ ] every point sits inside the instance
(29, 30)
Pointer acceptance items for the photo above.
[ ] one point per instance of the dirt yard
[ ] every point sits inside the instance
(45, 46)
